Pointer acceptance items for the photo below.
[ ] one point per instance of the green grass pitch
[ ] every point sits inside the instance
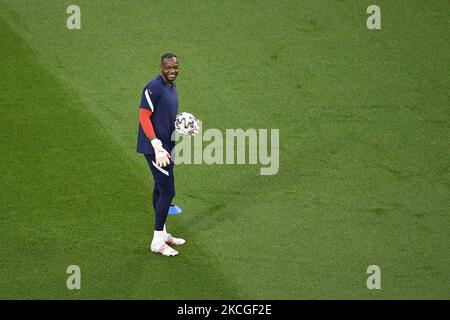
(364, 177)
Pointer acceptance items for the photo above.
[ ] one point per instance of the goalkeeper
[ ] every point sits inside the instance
(158, 109)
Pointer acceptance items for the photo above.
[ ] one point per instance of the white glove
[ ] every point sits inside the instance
(161, 155)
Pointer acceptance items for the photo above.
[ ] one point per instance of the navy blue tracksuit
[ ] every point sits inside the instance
(161, 98)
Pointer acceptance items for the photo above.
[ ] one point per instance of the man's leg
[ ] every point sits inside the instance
(165, 192)
(173, 209)
(155, 195)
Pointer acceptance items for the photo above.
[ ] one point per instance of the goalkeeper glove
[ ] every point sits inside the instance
(161, 155)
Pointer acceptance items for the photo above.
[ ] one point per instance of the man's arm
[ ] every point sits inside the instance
(161, 155)
(146, 123)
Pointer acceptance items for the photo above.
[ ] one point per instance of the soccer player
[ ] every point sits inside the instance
(158, 109)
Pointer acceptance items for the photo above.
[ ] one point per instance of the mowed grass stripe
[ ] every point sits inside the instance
(69, 197)
(363, 118)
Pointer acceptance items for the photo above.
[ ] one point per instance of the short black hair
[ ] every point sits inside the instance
(168, 56)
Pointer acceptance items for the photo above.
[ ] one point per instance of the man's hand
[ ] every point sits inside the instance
(161, 155)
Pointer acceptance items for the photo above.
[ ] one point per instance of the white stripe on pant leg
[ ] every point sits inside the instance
(160, 169)
(147, 96)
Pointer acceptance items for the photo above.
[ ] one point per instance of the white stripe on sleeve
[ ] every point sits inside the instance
(147, 96)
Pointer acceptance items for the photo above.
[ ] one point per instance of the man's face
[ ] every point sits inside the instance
(169, 69)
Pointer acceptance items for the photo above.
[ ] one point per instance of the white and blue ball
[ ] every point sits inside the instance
(186, 124)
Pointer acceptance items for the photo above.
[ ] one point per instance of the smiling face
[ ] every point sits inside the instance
(169, 69)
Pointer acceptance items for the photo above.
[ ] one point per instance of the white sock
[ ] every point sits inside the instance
(165, 229)
(158, 236)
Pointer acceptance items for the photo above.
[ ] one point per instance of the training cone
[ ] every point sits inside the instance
(173, 209)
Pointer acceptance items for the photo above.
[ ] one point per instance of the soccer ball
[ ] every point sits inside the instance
(186, 124)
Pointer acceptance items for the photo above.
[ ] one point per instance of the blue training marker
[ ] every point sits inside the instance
(173, 209)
